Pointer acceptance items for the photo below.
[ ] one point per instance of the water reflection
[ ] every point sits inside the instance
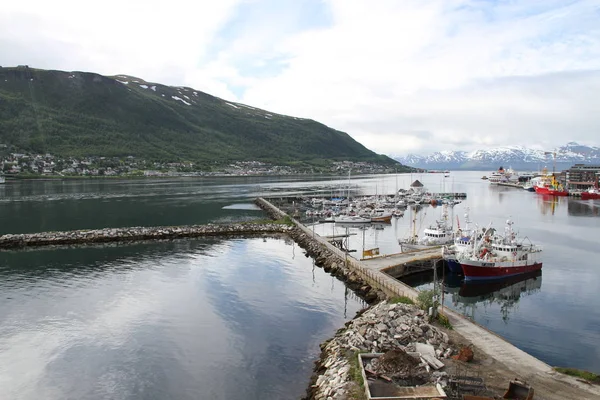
(583, 208)
(505, 293)
(548, 204)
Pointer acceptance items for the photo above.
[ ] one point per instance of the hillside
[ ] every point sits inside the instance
(86, 114)
(517, 157)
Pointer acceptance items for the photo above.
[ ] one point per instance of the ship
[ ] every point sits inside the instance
(500, 256)
(548, 184)
(591, 194)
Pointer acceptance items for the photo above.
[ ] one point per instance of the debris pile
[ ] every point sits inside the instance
(413, 349)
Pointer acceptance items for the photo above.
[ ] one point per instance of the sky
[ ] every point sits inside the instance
(399, 76)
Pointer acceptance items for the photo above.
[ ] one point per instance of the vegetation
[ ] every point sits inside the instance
(578, 373)
(444, 321)
(425, 299)
(81, 114)
(356, 376)
(401, 300)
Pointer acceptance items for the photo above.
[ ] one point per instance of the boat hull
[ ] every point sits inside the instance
(551, 192)
(480, 271)
(590, 196)
(454, 266)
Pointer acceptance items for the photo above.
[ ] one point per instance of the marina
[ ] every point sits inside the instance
(556, 307)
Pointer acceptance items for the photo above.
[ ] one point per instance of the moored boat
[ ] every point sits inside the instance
(463, 242)
(500, 257)
(351, 219)
(591, 194)
(381, 215)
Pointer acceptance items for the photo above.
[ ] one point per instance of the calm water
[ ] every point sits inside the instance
(190, 319)
(243, 318)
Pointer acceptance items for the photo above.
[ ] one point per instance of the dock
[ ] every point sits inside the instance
(509, 184)
(395, 264)
(505, 356)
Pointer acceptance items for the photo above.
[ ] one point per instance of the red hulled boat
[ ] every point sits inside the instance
(550, 186)
(500, 257)
(592, 194)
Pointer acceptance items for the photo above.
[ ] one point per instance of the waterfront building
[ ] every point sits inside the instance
(582, 176)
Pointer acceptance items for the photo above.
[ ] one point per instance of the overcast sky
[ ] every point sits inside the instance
(400, 76)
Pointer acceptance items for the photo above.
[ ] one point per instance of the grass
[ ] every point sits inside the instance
(358, 393)
(578, 373)
(444, 321)
(401, 300)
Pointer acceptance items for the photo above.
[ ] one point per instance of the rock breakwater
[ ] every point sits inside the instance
(379, 329)
(11, 241)
(336, 266)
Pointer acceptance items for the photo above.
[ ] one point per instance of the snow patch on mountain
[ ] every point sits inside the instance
(516, 156)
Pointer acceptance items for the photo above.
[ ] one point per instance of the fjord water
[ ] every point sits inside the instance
(242, 318)
(188, 319)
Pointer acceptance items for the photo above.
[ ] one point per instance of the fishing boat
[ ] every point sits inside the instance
(435, 235)
(591, 194)
(497, 257)
(464, 240)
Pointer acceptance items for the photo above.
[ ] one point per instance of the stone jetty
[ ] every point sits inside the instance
(401, 328)
(13, 241)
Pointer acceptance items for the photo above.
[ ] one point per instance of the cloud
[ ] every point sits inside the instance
(399, 76)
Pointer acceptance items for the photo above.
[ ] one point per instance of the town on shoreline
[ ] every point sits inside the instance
(48, 166)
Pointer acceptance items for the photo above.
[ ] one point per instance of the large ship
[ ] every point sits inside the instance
(548, 184)
(500, 176)
(497, 257)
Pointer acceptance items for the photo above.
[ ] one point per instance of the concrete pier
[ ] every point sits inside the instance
(548, 384)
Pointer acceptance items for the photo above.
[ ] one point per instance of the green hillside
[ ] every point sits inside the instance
(86, 114)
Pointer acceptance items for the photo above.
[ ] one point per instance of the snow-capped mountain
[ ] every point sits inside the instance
(517, 157)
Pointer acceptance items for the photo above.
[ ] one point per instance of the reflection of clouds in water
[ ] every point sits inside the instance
(267, 321)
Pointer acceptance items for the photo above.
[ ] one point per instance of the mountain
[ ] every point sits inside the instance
(87, 114)
(517, 157)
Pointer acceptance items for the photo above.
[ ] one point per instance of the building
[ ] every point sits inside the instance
(582, 176)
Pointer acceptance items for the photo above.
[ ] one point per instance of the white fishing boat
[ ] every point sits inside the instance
(435, 235)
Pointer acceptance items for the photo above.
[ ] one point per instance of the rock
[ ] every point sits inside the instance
(381, 327)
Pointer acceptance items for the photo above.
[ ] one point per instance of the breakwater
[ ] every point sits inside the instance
(499, 361)
(107, 235)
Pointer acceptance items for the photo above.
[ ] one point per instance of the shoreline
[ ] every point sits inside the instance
(498, 361)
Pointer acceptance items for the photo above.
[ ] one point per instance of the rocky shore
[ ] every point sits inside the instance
(12, 241)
